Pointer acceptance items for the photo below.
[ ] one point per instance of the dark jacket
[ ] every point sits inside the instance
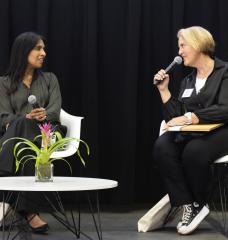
(210, 105)
(46, 89)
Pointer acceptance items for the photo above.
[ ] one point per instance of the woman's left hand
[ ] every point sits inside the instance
(182, 120)
(38, 113)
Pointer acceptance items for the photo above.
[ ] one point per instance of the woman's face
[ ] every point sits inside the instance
(37, 55)
(188, 53)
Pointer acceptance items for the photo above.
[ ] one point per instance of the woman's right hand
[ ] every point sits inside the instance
(38, 113)
(163, 79)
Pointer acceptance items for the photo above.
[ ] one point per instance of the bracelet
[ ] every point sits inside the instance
(188, 115)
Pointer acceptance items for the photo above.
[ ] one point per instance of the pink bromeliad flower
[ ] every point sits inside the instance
(46, 133)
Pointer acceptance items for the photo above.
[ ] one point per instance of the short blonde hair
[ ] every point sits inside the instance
(199, 38)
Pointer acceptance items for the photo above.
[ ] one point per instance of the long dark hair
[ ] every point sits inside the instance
(22, 46)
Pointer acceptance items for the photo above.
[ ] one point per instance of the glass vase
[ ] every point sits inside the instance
(44, 172)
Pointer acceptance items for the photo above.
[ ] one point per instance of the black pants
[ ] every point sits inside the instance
(186, 165)
(29, 129)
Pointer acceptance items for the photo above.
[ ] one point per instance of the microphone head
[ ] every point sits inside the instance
(178, 60)
(32, 99)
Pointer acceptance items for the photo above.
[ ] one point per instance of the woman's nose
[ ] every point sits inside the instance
(43, 52)
(180, 51)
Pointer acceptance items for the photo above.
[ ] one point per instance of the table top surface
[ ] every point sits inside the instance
(59, 184)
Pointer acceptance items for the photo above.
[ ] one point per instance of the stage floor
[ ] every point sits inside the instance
(122, 225)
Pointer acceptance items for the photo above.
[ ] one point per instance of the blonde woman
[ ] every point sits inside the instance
(184, 159)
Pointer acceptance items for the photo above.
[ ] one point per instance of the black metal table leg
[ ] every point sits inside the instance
(97, 225)
(23, 231)
(58, 212)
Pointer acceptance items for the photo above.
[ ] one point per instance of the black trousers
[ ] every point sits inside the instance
(29, 129)
(185, 163)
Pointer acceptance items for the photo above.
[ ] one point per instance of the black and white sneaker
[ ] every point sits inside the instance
(186, 211)
(193, 215)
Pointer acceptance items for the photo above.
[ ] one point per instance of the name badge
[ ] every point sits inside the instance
(187, 92)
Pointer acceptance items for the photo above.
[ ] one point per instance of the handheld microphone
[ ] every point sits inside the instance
(176, 61)
(32, 100)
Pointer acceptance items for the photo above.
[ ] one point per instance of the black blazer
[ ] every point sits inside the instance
(210, 105)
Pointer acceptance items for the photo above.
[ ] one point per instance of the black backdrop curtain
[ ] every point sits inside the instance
(104, 53)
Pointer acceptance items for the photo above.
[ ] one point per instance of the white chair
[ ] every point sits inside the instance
(221, 177)
(161, 131)
(73, 124)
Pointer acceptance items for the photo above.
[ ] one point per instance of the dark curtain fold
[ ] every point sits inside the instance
(105, 53)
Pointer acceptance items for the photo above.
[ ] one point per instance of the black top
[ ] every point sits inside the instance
(210, 105)
(46, 89)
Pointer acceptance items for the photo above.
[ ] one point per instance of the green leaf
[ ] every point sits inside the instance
(39, 136)
(58, 135)
(23, 164)
(23, 159)
(62, 159)
(22, 150)
(82, 160)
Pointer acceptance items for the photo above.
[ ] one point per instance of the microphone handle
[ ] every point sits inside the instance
(167, 70)
(156, 82)
(35, 105)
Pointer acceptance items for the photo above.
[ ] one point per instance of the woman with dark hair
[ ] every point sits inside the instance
(18, 118)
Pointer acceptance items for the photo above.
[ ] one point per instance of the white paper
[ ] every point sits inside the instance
(176, 128)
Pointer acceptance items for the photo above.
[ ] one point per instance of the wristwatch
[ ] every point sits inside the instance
(188, 115)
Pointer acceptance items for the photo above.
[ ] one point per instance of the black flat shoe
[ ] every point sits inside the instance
(42, 229)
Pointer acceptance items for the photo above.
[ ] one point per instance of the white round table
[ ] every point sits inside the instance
(61, 184)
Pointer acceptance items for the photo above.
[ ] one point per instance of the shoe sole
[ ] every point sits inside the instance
(39, 230)
(179, 225)
(185, 230)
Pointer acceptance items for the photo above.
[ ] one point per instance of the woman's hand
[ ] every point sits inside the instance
(163, 80)
(38, 113)
(182, 120)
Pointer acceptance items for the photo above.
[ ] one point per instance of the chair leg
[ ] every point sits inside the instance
(220, 185)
